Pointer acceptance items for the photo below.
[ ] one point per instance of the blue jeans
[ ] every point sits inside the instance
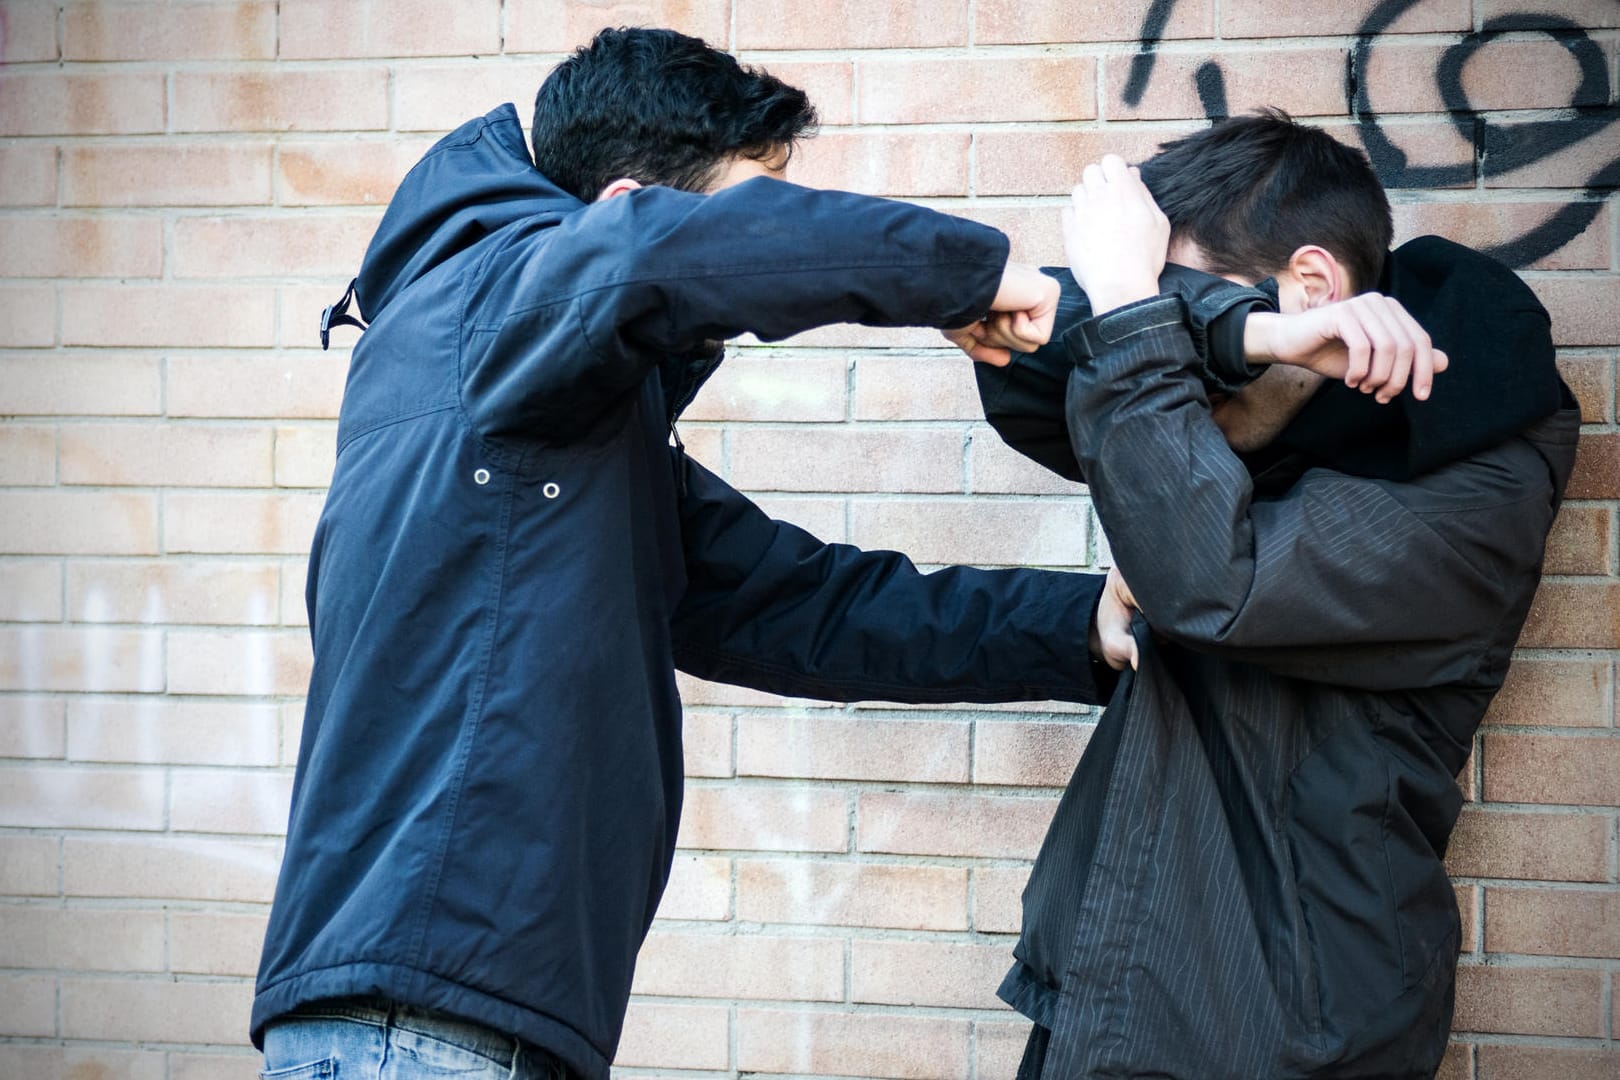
(377, 1040)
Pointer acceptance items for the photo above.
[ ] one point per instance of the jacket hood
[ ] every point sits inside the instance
(474, 181)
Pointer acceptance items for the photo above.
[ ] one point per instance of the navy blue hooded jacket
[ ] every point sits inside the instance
(513, 560)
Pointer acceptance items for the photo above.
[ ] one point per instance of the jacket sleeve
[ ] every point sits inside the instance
(1360, 582)
(769, 606)
(1023, 401)
(565, 324)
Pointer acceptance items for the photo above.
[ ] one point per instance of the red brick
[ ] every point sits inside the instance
(852, 1044)
(215, 943)
(999, 1048)
(821, 518)
(342, 99)
(1457, 1063)
(1553, 922)
(1597, 467)
(27, 32)
(1572, 166)
(1285, 18)
(162, 867)
(319, 29)
(29, 865)
(1486, 224)
(28, 1005)
(1467, 917)
(1033, 231)
(223, 593)
(1561, 693)
(177, 455)
(947, 974)
(73, 659)
(243, 247)
(741, 966)
(1578, 11)
(1422, 142)
(997, 22)
(1003, 532)
(47, 797)
(985, 825)
(1575, 616)
(31, 727)
(244, 662)
(78, 523)
(30, 591)
(82, 939)
(288, 386)
(95, 385)
(1310, 80)
(1000, 89)
(1582, 541)
(699, 889)
(838, 748)
(1535, 74)
(73, 1062)
(1547, 1063)
(81, 247)
(1529, 1001)
(172, 174)
(1050, 162)
(675, 1036)
(154, 1010)
(884, 163)
(998, 898)
(1591, 378)
(229, 800)
(846, 459)
(829, 83)
(932, 386)
(344, 172)
(818, 892)
(1531, 847)
(996, 468)
(1571, 770)
(158, 315)
(27, 175)
(305, 456)
(170, 732)
(231, 524)
(27, 317)
(61, 104)
(765, 818)
(238, 31)
(27, 455)
(851, 24)
(440, 98)
(548, 26)
(799, 389)
(1026, 753)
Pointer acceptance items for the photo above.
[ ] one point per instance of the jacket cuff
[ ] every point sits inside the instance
(1089, 338)
(1216, 311)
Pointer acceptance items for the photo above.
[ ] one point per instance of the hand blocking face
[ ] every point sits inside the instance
(1115, 235)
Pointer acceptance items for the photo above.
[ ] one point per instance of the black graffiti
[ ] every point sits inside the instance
(1499, 147)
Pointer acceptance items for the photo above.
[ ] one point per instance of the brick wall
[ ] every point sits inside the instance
(184, 185)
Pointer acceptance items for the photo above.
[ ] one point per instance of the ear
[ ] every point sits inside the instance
(622, 186)
(1319, 275)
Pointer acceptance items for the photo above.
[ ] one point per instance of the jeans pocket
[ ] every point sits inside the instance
(315, 1070)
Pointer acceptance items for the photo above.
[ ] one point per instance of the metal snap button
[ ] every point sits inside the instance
(551, 491)
(481, 476)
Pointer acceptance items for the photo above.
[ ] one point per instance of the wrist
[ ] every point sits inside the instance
(1257, 342)
(1116, 294)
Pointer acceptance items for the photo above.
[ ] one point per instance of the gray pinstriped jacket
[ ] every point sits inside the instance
(1244, 878)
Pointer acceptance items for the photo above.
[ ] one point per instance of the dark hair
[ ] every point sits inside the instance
(662, 108)
(1251, 190)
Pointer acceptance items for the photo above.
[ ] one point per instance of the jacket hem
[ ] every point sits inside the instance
(423, 989)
